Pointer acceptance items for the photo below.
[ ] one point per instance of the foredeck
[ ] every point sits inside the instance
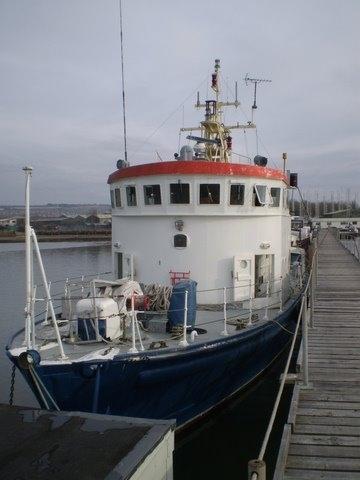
(322, 437)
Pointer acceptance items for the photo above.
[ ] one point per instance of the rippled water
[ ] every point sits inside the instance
(219, 447)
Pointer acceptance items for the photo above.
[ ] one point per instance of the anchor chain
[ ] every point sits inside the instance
(12, 385)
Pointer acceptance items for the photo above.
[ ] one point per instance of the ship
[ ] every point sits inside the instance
(204, 295)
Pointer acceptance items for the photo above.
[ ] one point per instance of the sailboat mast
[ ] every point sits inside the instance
(123, 83)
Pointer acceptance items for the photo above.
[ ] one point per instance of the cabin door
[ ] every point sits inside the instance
(242, 277)
(264, 267)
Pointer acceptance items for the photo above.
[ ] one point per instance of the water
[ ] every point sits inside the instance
(220, 446)
(61, 260)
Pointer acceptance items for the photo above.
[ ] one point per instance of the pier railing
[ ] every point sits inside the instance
(305, 319)
(351, 245)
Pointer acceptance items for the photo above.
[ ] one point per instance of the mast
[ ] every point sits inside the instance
(123, 84)
(215, 139)
(28, 172)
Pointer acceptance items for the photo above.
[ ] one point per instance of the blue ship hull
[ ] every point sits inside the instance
(178, 383)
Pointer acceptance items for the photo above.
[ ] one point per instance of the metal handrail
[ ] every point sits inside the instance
(301, 315)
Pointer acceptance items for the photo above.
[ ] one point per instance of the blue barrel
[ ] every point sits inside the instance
(177, 303)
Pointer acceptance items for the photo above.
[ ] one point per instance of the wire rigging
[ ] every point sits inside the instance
(169, 116)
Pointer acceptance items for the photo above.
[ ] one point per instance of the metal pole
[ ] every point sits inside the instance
(250, 311)
(184, 342)
(47, 292)
(93, 288)
(225, 333)
(312, 297)
(281, 295)
(28, 172)
(133, 349)
(33, 337)
(139, 333)
(305, 343)
(46, 322)
(266, 315)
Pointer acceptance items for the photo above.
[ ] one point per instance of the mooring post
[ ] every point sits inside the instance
(256, 470)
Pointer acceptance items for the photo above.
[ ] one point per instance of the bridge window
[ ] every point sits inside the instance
(259, 195)
(112, 198)
(210, 193)
(275, 196)
(179, 193)
(131, 196)
(237, 192)
(152, 195)
(117, 197)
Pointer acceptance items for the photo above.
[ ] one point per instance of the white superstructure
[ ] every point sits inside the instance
(222, 224)
(247, 223)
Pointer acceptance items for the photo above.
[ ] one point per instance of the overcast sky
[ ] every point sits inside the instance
(60, 87)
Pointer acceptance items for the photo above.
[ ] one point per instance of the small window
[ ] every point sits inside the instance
(180, 240)
(179, 193)
(275, 196)
(131, 196)
(152, 195)
(210, 193)
(354, 223)
(237, 192)
(259, 195)
(117, 197)
(112, 198)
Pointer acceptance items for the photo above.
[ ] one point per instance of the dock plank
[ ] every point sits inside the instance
(325, 437)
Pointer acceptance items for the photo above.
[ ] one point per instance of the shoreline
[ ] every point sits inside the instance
(58, 238)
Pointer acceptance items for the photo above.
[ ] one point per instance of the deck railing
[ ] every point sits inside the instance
(77, 288)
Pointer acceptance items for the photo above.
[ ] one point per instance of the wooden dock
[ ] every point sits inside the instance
(322, 437)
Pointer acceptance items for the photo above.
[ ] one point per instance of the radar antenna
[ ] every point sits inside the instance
(255, 81)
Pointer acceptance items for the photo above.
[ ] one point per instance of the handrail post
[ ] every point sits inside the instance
(312, 296)
(250, 311)
(256, 470)
(305, 345)
(225, 333)
(266, 314)
(133, 348)
(300, 276)
(184, 342)
(281, 296)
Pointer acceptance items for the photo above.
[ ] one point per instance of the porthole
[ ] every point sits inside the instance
(180, 240)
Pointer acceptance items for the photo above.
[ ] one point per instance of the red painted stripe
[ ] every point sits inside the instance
(178, 167)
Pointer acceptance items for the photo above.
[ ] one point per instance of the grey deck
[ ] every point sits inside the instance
(39, 445)
(322, 437)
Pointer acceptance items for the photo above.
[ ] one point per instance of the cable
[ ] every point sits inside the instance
(168, 117)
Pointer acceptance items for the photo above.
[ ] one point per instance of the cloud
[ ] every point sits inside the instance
(60, 88)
